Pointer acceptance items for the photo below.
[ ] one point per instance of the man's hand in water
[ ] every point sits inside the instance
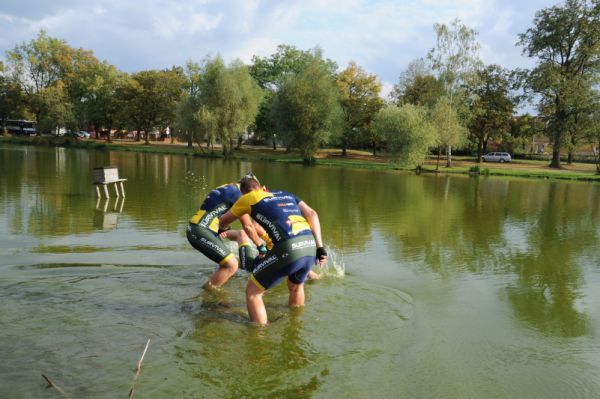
(321, 256)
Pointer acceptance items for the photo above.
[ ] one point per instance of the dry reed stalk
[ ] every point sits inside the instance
(137, 371)
(51, 384)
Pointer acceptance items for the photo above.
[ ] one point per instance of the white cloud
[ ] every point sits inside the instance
(260, 46)
(380, 35)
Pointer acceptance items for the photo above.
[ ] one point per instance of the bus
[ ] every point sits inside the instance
(19, 127)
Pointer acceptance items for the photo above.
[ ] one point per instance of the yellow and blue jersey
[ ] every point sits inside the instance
(216, 203)
(277, 212)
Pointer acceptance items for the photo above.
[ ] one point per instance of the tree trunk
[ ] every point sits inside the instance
(555, 163)
(190, 140)
(344, 149)
(572, 149)
(449, 157)
(480, 150)
(437, 166)
(597, 154)
(274, 142)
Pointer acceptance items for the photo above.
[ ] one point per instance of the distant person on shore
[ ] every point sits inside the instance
(295, 231)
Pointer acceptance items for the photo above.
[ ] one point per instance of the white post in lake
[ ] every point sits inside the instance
(105, 175)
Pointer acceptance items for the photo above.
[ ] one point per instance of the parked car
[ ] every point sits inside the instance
(83, 134)
(496, 157)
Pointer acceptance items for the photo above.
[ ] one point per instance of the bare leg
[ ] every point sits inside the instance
(255, 304)
(223, 273)
(231, 235)
(296, 294)
(312, 275)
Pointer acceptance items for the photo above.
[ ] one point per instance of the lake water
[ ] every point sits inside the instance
(454, 287)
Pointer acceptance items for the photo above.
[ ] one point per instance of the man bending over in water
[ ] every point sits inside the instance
(203, 233)
(295, 230)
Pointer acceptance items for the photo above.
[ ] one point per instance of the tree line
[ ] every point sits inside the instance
(446, 100)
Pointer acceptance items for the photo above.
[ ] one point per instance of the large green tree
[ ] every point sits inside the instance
(271, 71)
(306, 108)
(150, 98)
(565, 40)
(408, 132)
(101, 102)
(186, 120)
(593, 133)
(454, 59)
(417, 85)
(229, 100)
(11, 98)
(40, 67)
(360, 100)
(491, 106)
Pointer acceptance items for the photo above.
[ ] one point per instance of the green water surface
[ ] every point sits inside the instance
(454, 287)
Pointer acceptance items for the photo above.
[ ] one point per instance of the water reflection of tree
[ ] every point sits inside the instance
(469, 226)
(549, 276)
(49, 191)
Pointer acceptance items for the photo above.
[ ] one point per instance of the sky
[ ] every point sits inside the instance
(381, 36)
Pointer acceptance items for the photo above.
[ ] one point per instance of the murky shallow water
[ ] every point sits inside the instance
(453, 287)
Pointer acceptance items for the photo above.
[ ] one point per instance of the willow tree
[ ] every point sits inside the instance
(271, 71)
(230, 97)
(454, 59)
(307, 110)
(566, 42)
(409, 134)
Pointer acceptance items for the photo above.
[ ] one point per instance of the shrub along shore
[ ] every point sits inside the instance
(330, 157)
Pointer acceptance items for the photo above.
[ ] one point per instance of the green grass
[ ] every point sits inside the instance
(252, 154)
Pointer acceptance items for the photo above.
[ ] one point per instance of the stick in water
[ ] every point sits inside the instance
(53, 385)
(137, 371)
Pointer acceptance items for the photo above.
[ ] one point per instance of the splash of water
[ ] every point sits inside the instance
(335, 266)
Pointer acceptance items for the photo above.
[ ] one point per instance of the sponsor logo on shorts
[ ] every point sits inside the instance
(303, 244)
(269, 261)
(209, 216)
(213, 246)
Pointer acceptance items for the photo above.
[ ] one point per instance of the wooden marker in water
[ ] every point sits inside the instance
(105, 175)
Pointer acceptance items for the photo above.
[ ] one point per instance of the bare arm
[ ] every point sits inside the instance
(248, 226)
(313, 219)
(226, 219)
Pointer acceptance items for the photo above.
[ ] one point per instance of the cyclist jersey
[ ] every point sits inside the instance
(277, 212)
(216, 203)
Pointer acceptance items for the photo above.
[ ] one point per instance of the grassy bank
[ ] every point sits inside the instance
(328, 157)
